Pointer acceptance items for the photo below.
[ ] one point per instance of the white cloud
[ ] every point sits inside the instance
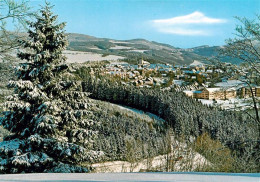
(193, 18)
(183, 31)
(191, 24)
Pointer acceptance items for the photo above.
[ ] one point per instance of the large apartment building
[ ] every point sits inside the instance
(215, 93)
(257, 93)
(246, 92)
(223, 93)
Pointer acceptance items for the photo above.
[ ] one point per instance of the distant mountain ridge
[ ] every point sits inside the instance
(135, 49)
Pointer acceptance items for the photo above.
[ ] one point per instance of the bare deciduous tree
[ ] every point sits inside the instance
(245, 47)
(14, 13)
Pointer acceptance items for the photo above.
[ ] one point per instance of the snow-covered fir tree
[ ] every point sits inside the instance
(49, 117)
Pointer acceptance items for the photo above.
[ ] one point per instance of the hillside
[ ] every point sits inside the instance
(132, 49)
(131, 138)
(209, 51)
(135, 49)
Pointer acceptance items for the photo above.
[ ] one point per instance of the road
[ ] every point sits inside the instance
(132, 177)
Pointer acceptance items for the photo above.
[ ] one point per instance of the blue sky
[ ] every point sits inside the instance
(181, 23)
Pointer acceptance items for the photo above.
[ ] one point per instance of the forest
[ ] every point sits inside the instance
(186, 116)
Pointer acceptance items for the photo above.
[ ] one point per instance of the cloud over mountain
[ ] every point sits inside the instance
(195, 23)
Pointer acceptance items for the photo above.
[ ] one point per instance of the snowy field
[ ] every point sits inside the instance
(81, 57)
(138, 50)
(236, 104)
(120, 42)
(120, 177)
(120, 47)
(197, 63)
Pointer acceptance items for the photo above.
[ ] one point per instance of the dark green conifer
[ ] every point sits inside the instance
(48, 115)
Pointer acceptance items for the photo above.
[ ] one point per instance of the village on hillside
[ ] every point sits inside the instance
(205, 82)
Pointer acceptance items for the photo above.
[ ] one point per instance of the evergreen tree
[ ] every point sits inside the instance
(48, 115)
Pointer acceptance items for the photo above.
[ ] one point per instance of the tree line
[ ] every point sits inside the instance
(185, 115)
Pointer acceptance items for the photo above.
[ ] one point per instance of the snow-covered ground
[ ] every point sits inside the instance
(95, 48)
(120, 47)
(182, 157)
(178, 82)
(138, 50)
(229, 83)
(120, 42)
(236, 103)
(196, 63)
(150, 115)
(81, 57)
(206, 102)
(152, 177)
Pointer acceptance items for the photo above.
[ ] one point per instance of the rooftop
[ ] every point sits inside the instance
(213, 89)
(229, 83)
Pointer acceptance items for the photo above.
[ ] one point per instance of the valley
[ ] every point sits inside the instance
(75, 103)
(135, 128)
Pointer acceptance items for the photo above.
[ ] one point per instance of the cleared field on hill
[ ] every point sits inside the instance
(81, 57)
